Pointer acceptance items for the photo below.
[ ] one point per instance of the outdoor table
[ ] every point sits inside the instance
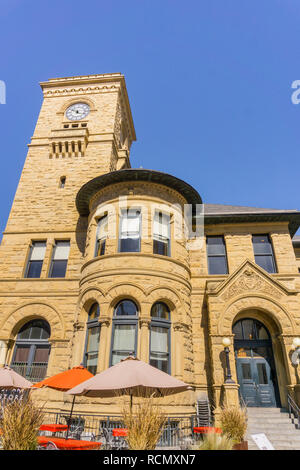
(54, 427)
(68, 444)
(206, 429)
(120, 432)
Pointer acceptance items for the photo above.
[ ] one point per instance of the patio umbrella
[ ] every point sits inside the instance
(10, 379)
(132, 377)
(65, 381)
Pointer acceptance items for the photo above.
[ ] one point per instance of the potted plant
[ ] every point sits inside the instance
(234, 425)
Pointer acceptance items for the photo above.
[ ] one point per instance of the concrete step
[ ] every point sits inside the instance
(276, 425)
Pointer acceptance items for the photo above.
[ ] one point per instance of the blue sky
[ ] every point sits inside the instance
(209, 84)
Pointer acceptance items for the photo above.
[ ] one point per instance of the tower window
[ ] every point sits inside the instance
(263, 253)
(36, 258)
(92, 339)
(130, 236)
(124, 333)
(101, 235)
(160, 337)
(60, 259)
(62, 182)
(161, 234)
(216, 255)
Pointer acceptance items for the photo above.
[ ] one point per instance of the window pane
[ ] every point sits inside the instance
(61, 250)
(161, 225)
(237, 330)
(159, 339)
(261, 331)
(266, 262)
(22, 353)
(160, 310)
(41, 354)
(128, 245)
(59, 268)
(249, 330)
(215, 246)
(160, 361)
(217, 265)
(246, 371)
(117, 357)
(261, 244)
(102, 227)
(93, 339)
(124, 338)
(126, 307)
(38, 251)
(101, 247)
(262, 374)
(130, 224)
(34, 269)
(161, 247)
(94, 312)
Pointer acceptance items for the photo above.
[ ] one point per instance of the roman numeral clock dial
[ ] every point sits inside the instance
(77, 111)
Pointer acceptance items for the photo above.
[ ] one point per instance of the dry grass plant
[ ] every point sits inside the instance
(145, 424)
(20, 423)
(234, 423)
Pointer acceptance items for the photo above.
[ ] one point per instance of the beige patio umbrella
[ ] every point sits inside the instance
(130, 377)
(10, 379)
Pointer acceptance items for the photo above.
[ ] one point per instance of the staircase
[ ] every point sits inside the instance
(276, 425)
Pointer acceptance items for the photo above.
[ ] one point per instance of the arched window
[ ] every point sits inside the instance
(124, 333)
(32, 348)
(250, 330)
(160, 337)
(91, 348)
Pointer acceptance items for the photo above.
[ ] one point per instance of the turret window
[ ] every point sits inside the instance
(101, 236)
(124, 334)
(130, 231)
(92, 339)
(160, 337)
(161, 234)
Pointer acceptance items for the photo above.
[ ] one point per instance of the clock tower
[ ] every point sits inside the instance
(84, 129)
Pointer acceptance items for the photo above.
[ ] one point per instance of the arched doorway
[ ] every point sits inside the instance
(255, 364)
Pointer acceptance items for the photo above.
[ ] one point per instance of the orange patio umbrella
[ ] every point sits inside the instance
(66, 380)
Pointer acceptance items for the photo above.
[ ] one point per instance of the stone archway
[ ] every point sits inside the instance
(278, 322)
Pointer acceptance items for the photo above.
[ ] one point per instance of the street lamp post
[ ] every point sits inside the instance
(228, 378)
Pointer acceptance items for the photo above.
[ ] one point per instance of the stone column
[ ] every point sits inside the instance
(103, 344)
(4, 346)
(177, 345)
(143, 351)
(78, 343)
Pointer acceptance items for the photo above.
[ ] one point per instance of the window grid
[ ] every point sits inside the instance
(36, 259)
(263, 253)
(216, 255)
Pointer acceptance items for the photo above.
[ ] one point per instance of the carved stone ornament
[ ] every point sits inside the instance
(250, 281)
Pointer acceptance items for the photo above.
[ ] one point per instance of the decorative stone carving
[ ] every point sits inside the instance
(250, 281)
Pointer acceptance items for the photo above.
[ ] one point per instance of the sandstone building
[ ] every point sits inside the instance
(84, 279)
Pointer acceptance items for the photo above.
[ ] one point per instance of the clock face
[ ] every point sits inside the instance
(77, 111)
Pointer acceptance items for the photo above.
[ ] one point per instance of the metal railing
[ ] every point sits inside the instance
(294, 412)
(177, 432)
(33, 372)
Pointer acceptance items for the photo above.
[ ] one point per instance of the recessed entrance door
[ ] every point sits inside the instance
(255, 364)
